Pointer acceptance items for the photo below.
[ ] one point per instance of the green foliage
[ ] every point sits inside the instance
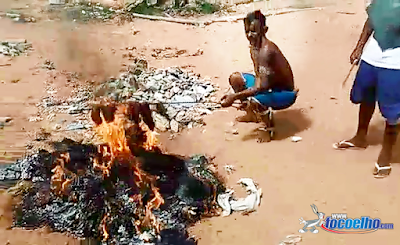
(204, 7)
(199, 7)
(144, 8)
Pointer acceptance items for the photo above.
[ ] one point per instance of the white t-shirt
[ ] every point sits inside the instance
(373, 55)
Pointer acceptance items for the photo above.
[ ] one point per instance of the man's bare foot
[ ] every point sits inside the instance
(355, 142)
(249, 117)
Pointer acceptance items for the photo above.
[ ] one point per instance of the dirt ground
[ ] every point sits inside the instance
(292, 175)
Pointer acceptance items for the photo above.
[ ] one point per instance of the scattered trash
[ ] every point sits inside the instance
(48, 64)
(169, 52)
(4, 121)
(247, 205)
(35, 119)
(291, 240)
(229, 169)
(21, 18)
(296, 138)
(57, 2)
(77, 126)
(161, 122)
(14, 47)
(87, 11)
(198, 52)
(233, 131)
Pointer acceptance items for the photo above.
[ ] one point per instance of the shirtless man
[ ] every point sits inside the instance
(273, 85)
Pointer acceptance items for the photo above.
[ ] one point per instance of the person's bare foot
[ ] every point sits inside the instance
(355, 142)
(249, 117)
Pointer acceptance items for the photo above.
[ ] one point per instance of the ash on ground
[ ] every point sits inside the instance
(14, 47)
(188, 186)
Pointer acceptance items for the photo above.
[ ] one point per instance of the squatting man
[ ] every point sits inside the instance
(272, 86)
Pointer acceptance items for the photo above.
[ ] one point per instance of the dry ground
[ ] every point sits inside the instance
(292, 175)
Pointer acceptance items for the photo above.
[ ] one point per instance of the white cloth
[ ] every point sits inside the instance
(373, 55)
(248, 204)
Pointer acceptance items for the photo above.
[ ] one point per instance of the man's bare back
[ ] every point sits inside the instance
(271, 58)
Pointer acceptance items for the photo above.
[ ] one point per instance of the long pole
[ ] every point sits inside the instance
(348, 74)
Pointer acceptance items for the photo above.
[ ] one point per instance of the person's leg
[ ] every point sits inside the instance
(240, 82)
(389, 140)
(363, 92)
(364, 118)
(389, 104)
(275, 100)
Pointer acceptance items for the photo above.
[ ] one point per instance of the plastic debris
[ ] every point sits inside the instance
(248, 204)
(291, 240)
(229, 168)
(296, 138)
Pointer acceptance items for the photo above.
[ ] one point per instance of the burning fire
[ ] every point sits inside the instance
(123, 127)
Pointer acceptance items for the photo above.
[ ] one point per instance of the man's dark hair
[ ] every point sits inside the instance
(255, 15)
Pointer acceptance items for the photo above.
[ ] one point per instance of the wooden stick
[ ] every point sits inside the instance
(348, 74)
(209, 22)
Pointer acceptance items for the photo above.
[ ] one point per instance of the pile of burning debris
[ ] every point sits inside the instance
(123, 191)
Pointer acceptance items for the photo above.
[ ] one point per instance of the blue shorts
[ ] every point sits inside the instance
(378, 84)
(276, 99)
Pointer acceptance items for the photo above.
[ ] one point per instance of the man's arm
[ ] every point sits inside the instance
(365, 34)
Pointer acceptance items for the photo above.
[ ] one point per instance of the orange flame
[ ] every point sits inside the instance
(116, 148)
(59, 180)
(104, 227)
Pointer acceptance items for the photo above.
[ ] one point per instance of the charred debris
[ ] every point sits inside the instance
(124, 191)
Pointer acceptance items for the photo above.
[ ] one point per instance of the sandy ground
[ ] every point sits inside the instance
(292, 175)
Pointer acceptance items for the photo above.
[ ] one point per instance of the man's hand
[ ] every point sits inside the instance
(355, 56)
(227, 100)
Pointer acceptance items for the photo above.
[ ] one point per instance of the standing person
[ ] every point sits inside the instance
(378, 80)
(273, 83)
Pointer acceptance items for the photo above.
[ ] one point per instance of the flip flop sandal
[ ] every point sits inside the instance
(378, 169)
(345, 144)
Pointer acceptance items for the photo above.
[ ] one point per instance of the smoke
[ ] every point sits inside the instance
(79, 50)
